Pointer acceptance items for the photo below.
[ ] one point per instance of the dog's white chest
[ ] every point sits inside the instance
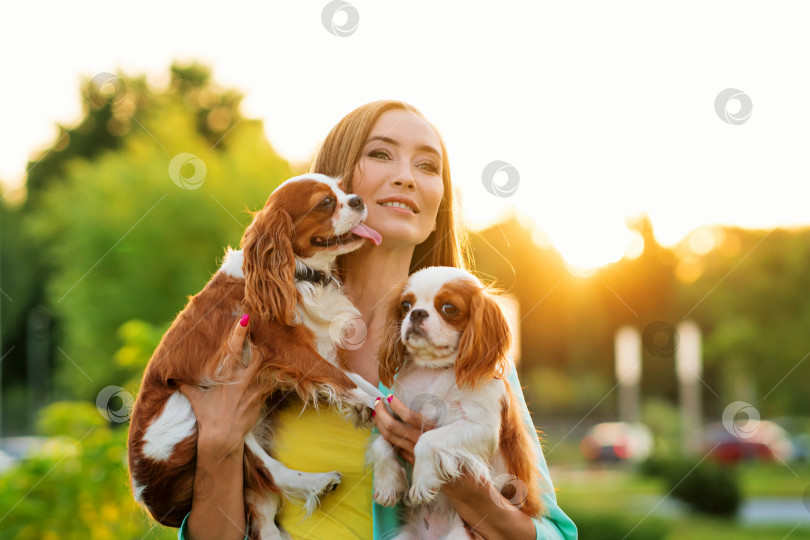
(329, 315)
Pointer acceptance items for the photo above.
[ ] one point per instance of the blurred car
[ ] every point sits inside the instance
(15, 449)
(615, 442)
(751, 439)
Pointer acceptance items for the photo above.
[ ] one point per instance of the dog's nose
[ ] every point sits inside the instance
(355, 202)
(418, 314)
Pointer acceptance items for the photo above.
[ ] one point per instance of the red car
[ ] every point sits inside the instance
(760, 440)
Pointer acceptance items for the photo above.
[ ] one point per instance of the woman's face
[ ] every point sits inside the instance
(399, 177)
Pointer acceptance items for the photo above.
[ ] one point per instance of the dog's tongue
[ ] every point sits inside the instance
(367, 232)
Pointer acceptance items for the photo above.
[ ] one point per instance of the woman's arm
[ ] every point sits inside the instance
(225, 414)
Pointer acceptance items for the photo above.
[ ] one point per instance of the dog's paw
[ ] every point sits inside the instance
(387, 495)
(360, 416)
(356, 410)
(320, 484)
(390, 483)
(421, 493)
(330, 482)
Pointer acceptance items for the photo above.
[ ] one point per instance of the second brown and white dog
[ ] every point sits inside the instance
(446, 339)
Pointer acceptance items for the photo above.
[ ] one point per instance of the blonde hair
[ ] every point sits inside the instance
(340, 152)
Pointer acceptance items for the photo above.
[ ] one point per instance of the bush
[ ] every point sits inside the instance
(705, 486)
(617, 527)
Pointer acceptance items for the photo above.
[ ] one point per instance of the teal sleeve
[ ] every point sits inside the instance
(181, 532)
(555, 524)
(385, 519)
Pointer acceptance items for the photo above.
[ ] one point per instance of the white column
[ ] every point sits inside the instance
(628, 372)
(689, 368)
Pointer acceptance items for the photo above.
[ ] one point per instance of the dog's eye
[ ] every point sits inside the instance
(449, 309)
(406, 307)
(327, 202)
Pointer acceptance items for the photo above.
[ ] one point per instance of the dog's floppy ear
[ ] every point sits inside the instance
(269, 265)
(392, 351)
(484, 342)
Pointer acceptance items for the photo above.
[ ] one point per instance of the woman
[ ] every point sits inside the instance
(388, 153)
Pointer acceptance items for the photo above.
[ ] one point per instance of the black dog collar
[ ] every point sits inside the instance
(318, 277)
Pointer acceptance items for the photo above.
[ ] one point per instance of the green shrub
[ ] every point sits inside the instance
(617, 526)
(705, 486)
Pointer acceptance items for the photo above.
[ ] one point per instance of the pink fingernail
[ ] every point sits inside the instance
(244, 320)
(376, 401)
(390, 398)
(373, 414)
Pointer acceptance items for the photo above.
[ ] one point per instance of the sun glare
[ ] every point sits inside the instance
(586, 249)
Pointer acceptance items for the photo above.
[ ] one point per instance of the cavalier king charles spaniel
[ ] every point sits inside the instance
(447, 339)
(282, 278)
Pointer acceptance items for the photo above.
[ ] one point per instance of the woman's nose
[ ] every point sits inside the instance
(404, 176)
(407, 183)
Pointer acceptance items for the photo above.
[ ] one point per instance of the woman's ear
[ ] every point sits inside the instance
(269, 266)
(392, 353)
(484, 343)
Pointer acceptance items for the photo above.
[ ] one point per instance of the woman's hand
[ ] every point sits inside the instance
(227, 412)
(403, 434)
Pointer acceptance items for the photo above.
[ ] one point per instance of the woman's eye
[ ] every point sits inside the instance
(327, 202)
(449, 309)
(379, 154)
(406, 306)
(430, 167)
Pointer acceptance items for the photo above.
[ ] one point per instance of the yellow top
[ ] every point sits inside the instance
(322, 441)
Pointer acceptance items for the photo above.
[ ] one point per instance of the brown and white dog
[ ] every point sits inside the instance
(281, 278)
(446, 338)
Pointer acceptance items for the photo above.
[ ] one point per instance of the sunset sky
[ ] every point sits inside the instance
(605, 110)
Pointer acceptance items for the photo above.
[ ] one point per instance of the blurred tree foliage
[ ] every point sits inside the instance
(111, 234)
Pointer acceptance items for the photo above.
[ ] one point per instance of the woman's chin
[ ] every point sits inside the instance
(401, 239)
